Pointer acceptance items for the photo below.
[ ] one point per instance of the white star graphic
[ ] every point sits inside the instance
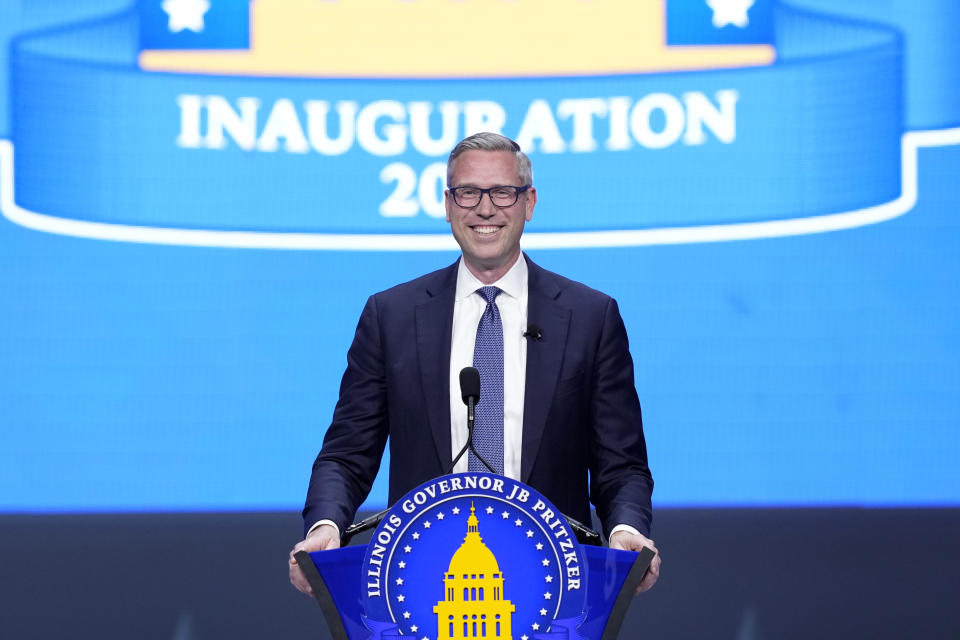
(408, 549)
(406, 615)
(402, 564)
(543, 612)
(547, 595)
(399, 581)
(416, 535)
(529, 533)
(505, 514)
(539, 546)
(455, 511)
(401, 598)
(518, 522)
(439, 516)
(545, 562)
(535, 626)
(426, 524)
(549, 578)
(524, 637)
(730, 12)
(413, 628)
(185, 14)
(489, 510)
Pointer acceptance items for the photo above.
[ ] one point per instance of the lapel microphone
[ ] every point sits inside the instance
(533, 331)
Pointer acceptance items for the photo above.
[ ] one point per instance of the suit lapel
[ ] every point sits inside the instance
(544, 359)
(434, 320)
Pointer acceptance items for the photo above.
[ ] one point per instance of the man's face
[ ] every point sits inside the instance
(489, 236)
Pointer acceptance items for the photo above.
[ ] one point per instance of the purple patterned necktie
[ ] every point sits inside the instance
(488, 359)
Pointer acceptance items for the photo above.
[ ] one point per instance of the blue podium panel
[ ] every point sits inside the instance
(474, 555)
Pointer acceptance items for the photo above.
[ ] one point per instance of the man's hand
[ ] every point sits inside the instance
(320, 539)
(627, 541)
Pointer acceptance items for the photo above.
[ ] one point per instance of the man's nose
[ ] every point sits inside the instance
(486, 207)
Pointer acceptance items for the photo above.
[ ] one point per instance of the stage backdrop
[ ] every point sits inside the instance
(197, 197)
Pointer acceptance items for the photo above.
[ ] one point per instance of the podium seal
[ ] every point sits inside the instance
(474, 555)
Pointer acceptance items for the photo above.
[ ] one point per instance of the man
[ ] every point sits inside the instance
(568, 408)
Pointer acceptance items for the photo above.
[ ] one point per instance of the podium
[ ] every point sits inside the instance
(474, 555)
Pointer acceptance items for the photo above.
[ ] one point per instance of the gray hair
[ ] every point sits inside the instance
(487, 141)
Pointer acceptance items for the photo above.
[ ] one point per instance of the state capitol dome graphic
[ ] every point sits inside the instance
(424, 577)
(474, 605)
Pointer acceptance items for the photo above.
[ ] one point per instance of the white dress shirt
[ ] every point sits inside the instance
(468, 306)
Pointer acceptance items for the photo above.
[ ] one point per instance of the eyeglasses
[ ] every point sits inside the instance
(503, 196)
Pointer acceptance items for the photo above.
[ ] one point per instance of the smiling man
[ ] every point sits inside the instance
(488, 229)
(558, 409)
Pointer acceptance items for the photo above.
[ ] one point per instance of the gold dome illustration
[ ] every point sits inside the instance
(473, 604)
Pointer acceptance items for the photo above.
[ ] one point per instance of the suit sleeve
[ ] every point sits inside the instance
(620, 481)
(347, 464)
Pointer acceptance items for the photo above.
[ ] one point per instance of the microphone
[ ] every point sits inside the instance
(363, 525)
(533, 331)
(469, 386)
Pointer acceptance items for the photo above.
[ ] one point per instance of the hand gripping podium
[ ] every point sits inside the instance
(474, 555)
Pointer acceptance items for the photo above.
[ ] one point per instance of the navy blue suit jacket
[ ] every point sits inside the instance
(581, 412)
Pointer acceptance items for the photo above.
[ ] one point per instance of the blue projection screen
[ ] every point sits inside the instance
(198, 196)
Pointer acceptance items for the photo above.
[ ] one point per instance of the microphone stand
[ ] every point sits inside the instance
(471, 403)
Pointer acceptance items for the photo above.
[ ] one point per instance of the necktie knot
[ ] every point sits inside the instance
(489, 293)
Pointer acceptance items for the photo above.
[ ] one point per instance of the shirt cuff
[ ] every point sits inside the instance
(619, 527)
(329, 522)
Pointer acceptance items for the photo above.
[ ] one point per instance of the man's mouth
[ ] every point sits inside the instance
(486, 230)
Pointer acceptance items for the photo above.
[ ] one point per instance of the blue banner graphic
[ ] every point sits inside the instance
(718, 22)
(194, 24)
(354, 157)
(767, 187)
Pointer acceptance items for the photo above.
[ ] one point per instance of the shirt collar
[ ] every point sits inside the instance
(513, 283)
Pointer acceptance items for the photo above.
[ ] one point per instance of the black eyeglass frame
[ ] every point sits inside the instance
(517, 191)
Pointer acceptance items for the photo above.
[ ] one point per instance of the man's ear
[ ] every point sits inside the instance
(530, 203)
